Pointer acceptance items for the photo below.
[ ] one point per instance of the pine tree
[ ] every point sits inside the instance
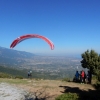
(91, 61)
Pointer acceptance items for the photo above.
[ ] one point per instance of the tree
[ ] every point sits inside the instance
(91, 61)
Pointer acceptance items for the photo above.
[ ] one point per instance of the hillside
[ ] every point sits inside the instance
(50, 89)
(13, 58)
(12, 72)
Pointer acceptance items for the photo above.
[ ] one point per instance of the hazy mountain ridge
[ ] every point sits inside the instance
(22, 57)
(13, 57)
(5, 52)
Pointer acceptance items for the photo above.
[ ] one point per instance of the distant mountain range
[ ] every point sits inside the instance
(12, 57)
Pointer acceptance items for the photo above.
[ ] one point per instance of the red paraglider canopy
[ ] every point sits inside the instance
(24, 37)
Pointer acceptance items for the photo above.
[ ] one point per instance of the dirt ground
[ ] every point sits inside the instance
(50, 89)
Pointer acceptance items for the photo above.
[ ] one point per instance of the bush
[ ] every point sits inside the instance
(68, 96)
(4, 75)
(18, 77)
(97, 85)
(66, 79)
(98, 77)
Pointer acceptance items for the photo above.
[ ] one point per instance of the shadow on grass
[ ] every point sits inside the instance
(83, 94)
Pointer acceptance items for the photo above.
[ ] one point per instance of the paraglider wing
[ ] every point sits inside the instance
(24, 37)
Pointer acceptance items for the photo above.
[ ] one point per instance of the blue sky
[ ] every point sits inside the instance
(72, 25)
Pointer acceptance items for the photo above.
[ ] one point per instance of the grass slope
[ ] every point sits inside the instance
(13, 71)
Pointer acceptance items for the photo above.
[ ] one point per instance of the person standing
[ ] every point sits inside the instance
(28, 74)
(82, 76)
(89, 76)
(77, 76)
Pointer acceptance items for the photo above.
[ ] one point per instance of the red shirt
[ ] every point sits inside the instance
(82, 74)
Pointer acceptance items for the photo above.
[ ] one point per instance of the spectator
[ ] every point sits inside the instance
(77, 76)
(82, 77)
(89, 77)
(28, 74)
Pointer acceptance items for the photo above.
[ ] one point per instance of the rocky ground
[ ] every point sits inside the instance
(10, 92)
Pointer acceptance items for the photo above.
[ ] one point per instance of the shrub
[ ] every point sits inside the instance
(19, 77)
(97, 85)
(68, 96)
(4, 75)
(66, 79)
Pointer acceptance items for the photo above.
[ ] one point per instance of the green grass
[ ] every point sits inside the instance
(14, 81)
(68, 96)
